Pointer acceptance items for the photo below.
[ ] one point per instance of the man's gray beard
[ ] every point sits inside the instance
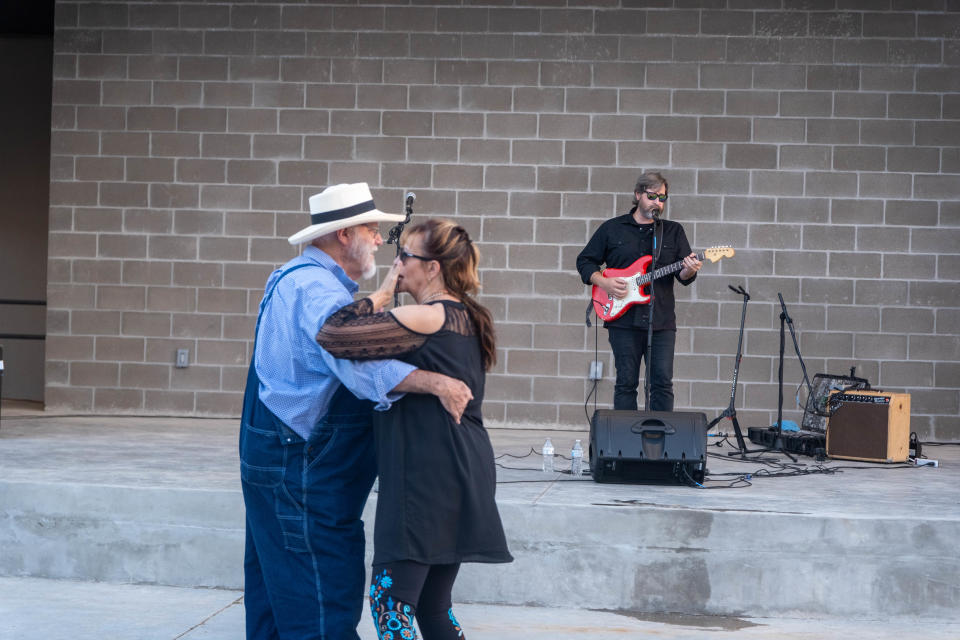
(371, 270)
(360, 251)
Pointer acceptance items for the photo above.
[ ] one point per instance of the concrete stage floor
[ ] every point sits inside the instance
(40, 609)
(152, 507)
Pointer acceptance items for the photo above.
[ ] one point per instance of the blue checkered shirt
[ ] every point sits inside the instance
(297, 376)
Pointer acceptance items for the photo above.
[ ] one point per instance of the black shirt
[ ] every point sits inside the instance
(618, 243)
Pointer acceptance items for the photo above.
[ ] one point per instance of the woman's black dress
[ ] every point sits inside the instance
(437, 478)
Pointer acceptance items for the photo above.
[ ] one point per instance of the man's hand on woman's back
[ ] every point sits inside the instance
(454, 394)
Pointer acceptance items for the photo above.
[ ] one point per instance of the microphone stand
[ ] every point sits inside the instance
(731, 410)
(785, 319)
(778, 439)
(393, 236)
(649, 352)
(796, 345)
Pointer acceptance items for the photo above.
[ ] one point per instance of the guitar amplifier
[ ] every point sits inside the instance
(816, 410)
(873, 426)
(648, 447)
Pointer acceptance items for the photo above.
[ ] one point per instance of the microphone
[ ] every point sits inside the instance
(397, 229)
(739, 290)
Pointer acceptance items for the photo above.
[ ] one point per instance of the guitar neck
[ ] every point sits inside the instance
(647, 278)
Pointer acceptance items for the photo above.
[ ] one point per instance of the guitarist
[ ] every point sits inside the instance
(617, 244)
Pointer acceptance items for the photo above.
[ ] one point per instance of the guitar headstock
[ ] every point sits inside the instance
(715, 253)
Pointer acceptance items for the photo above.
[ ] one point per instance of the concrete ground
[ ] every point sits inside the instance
(169, 459)
(39, 609)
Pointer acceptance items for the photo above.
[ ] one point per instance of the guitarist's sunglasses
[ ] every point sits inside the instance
(662, 197)
(404, 254)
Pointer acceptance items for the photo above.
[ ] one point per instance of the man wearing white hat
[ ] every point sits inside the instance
(306, 442)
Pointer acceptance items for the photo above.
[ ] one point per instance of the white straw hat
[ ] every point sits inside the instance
(341, 206)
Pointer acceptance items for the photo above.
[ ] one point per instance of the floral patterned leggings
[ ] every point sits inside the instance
(403, 591)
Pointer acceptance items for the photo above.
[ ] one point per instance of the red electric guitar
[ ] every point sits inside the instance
(637, 278)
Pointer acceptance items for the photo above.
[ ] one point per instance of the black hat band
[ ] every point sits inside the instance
(340, 214)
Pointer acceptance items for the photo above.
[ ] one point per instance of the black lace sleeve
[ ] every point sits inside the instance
(355, 332)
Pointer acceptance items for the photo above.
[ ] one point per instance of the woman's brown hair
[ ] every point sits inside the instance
(450, 245)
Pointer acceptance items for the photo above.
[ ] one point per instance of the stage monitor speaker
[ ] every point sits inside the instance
(648, 447)
(873, 426)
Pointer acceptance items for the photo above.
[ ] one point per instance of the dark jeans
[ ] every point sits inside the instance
(629, 348)
(303, 567)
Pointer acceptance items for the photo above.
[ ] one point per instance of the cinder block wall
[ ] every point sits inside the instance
(822, 142)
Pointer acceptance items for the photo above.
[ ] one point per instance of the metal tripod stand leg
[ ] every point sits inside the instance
(731, 410)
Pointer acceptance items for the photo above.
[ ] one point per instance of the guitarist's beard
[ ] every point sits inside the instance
(650, 213)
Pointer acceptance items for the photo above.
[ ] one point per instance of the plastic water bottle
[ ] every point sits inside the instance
(548, 456)
(576, 459)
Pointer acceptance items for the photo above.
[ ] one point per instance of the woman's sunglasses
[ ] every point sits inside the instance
(404, 254)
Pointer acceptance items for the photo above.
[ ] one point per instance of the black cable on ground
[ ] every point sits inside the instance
(772, 468)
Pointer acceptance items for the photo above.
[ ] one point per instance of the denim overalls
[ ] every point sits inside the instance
(304, 560)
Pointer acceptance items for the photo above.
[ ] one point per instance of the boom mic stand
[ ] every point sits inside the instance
(786, 320)
(393, 237)
(731, 410)
(796, 346)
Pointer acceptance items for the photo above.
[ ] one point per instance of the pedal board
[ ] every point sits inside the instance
(800, 442)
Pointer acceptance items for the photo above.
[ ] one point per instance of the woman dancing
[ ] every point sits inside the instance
(436, 507)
